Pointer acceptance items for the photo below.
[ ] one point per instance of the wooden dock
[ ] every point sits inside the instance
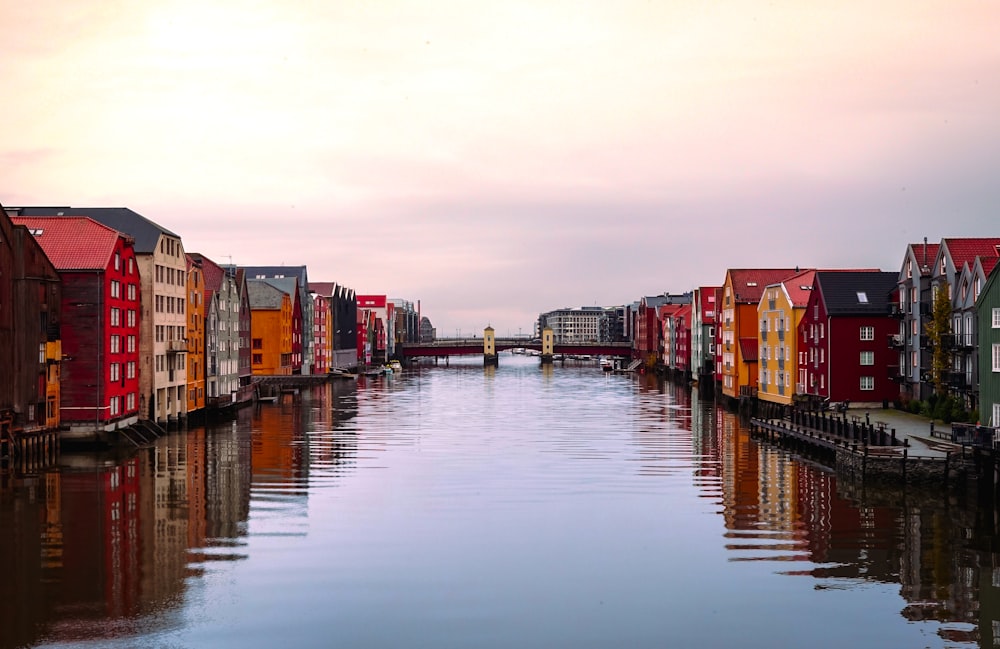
(862, 449)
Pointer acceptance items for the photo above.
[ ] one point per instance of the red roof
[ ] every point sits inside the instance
(323, 288)
(925, 257)
(748, 349)
(967, 249)
(989, 263)
(748, 283)
(799, 287)
(73, 242)
(212, 273)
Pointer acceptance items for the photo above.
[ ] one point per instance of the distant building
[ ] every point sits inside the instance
(301, 274)
(427, 331)
(222, 333)
(576, 325)
(271, 328)
(988, 307)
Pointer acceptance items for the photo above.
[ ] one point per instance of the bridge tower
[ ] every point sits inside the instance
(548, 343)
(490, 357)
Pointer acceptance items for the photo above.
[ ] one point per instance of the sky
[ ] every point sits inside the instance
(495, 160)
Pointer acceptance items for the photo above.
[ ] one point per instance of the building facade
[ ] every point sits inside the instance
(100, 321)
(195, 335)
(988, 333)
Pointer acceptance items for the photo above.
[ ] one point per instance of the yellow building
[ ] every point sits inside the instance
(741, 294)
(271, 327)
(195, 335)
(779, 313)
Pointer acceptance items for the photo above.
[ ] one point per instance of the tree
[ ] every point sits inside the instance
(939, 336)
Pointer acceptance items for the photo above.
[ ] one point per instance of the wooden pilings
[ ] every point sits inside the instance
(28, 452)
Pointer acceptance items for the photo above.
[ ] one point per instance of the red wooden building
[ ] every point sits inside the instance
(843, 354)
(100, 305)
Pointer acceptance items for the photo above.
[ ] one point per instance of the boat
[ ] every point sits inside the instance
(607, 364)
(394, 365)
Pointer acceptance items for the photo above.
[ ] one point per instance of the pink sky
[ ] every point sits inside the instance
(494, 160)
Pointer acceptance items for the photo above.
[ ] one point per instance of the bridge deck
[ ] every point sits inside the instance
(458, 347)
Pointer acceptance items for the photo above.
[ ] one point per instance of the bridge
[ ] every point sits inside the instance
(467, 346)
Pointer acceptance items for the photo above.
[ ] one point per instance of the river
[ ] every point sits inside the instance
(463, 506)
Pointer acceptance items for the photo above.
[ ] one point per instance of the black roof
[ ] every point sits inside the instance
(145, 232)
(856, 292)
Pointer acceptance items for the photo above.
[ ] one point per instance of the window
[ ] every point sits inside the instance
(258, 343)
(867, 382)
(116, 317)
(867, 358)
(131, 292)
(867, 333)
(258, 359)
(116, 345)
(996, 317)
(116, 372)
(118, 261)
(131, 317)
(996, 357)
(130, 370)
(116, 288)
(862, 297)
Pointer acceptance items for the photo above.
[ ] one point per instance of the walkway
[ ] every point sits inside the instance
(913, 428)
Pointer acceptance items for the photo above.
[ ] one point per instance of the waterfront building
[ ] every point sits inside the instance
(779, 313)
(842, 336)
(271, 328)
(406, 328)
(30, 345)
(703, 333)
(289, 285)
(303, 363)
(680, 338)
(163, 287)
(222, 333)
(647, 340)
(322, 334)
(381, 323)
(343, 324)
(195, 336)
(988, 330)
(914, 290)
(963, 379)
(955, 261)
(665, 314)
(741, 294)
(100, 320)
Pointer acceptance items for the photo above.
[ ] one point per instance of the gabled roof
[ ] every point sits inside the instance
(212, 273)
(146, 233)
(924, 254)
(326, 289)
(287, 285)
(278, 272)
(856, 292)
(964, 250)
(799, 287)
(988, 263)
(264, 296)
(77, 243)
(748, 283)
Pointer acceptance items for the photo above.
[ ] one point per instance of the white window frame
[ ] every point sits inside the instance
(867, 383)
(996, 317)
(867, 358)
(867, 332)
(996, 357)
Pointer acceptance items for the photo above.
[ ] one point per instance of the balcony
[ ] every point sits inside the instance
(896, 311)
(895, 374)
(176, 346)
(763, 334)
(781, 334)
(956, 380)
(963, 341)
(925, 342)
(896, 341)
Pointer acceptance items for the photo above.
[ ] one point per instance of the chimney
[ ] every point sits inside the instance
(925, 252)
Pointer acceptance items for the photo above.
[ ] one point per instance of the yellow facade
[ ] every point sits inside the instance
(195, 338)
(779, 312)
(271, 343)
(741, 294)
(53, 357)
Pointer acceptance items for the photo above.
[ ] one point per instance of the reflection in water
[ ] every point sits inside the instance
(464, 505)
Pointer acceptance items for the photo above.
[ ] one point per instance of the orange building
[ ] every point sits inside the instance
(271, 327)
(195, 335)
(740, 297)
